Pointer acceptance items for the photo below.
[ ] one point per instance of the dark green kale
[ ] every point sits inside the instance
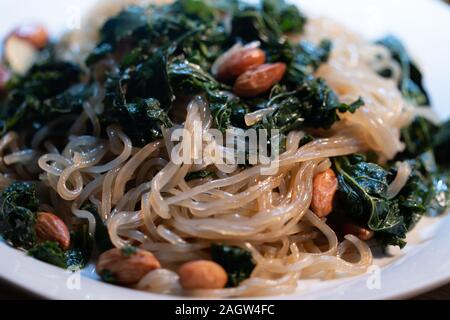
(49, 252)
(75, 258)
(140, 96)
(311, 105)
(227, 111)
(305, 59)
(142, 120)
(126, 24)
(411, 80)
(199, 175)
(102, 240)
(422, 136)
(441, 145)
(287, 16)
(130, 23)
(18, 205)
(40, 95)
(189, 78)
(237, 262)
(81, 247)
(189, 27)
(363, 193)
(418, 138)
(141, 80)
(252, 24)
(129, 251)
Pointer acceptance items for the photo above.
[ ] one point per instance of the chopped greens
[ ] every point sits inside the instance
(313, 105)
(199, 175)
(81, 247)
(18, 205)
(237, 262)
(49, 252)
(287, 16)
(102, 240)
(363, 193)
(129, 251)
(410, 82)
(441, 145)
(40, 95)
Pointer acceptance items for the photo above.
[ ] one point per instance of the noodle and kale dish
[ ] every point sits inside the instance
(87, 169)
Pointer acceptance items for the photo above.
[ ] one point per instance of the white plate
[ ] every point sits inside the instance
(423, 265)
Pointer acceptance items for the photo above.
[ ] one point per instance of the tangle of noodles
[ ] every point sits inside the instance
(144, 199)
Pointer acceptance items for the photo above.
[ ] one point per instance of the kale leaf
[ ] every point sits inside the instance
(102, 240)
(199, 175)
(142, 120)
(411, 80)
(81, 247)
(227, 111)
(237, 262)
(363, 193)
(418, 138)
(140, 96)
(39, 95)
(287, 16)
(313, 105)
(422, 136)
(441, 145)
(129, 23)
(49, 252)
(18, 205)
(305, 59)
(190, 78)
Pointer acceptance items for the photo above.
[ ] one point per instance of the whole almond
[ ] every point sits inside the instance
(325, 185)
(19, 54)
(50, 227)
(126, 267)
(202, 274)
(258, 80)
(239, 62)
(35, 34)
(358, 231)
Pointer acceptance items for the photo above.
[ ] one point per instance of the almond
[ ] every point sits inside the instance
(325, 185)
(49, 227)
(358, 231)
(202, 274)
(19, 54)
(240, 61)
(258, 80)
(35, 34)
(126, 266)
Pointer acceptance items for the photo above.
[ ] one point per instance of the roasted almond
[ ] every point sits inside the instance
(358, 231)
(19, 54)
(258, 80)
(35, 34)
(325, 185)
(240, 61)
(50, 227)
(202, 274)
(126, 266)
